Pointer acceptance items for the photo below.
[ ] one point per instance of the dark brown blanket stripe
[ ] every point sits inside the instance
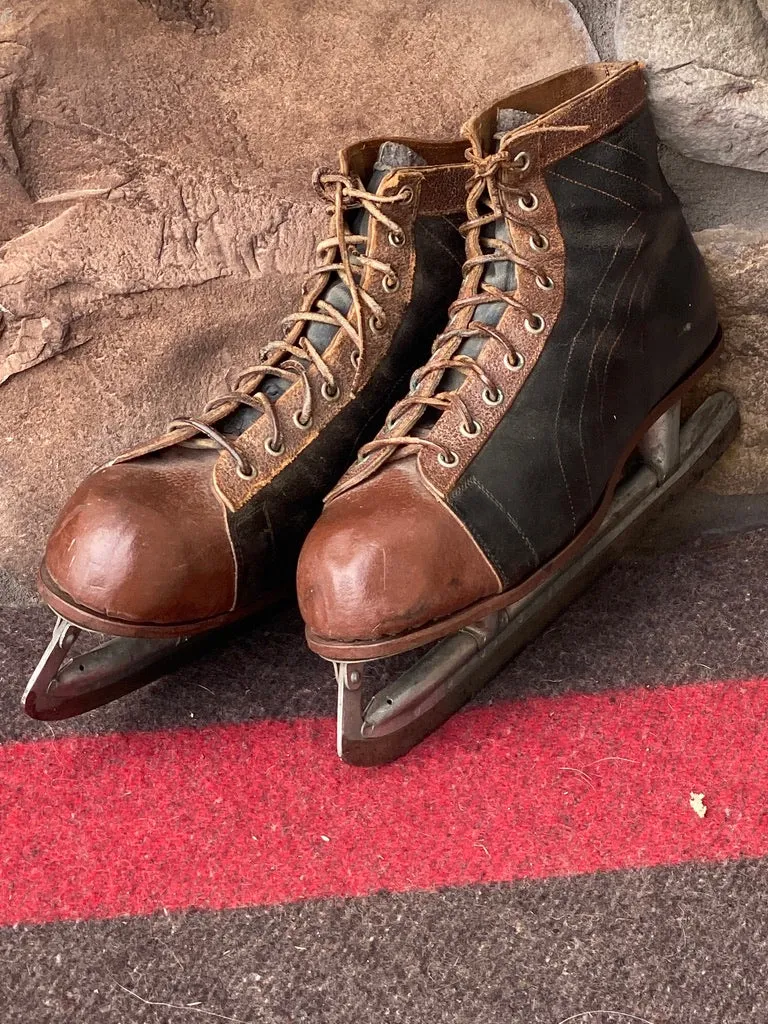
(694, 614)
(685, 945)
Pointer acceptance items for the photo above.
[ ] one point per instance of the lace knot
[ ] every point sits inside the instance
(486, 167)
(326, 184)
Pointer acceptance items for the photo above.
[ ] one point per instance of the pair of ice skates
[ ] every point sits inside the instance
(504, 461)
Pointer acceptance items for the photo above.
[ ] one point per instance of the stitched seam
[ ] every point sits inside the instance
(462, 487)
(446, 503)
(622, 149)
(623, 326)
(592, 188)
(595, 347)
(503, 578)
(610, 170)
(448, 221)
(621, 333)
(575, 338)
(442, 244)
(644, 298)
(506, 514)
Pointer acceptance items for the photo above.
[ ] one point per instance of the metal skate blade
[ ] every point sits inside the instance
(456, 668)
(59, 689)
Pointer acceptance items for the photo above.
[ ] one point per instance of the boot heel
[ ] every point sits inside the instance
(660, 448)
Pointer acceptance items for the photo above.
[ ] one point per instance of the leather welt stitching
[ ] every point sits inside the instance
(591, 188)
(505, 513)
(610, 170)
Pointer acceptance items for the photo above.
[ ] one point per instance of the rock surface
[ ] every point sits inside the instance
(708, 74)
(712, 194)
(154, 197)
(738, 261)
(708, 65)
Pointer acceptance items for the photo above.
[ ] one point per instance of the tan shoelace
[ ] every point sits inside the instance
(484, 192)
(291, 358)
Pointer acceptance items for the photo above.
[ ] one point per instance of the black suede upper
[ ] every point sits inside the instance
(638, 313)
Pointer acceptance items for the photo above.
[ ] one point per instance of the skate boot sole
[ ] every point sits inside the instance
(86, 618)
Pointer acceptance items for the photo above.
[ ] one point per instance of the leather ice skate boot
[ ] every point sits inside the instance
(584, 314)
(203, 525)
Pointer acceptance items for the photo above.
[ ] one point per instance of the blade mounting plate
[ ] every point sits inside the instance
(60, 688)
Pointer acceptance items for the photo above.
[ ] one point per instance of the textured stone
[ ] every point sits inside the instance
(599, 17)
(155, 206)
(713, 194)
(161, 233)
(708, 71)
(738, 262)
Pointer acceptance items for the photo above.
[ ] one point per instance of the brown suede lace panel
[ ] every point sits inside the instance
(292, 357)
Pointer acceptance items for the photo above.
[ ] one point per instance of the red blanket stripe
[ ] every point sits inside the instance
(264, 813)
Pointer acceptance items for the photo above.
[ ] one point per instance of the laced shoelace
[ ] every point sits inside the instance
(291, 358)
(484, 194)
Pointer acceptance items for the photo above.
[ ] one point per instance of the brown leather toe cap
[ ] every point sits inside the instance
(145, 541)
(386, 558)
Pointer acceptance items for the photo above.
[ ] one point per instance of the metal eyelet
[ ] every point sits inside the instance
(449, 461)
(466, 432)
(329, 392)
(522, 161)
(539, 242)
(518, 364)
(273, 451)
(534, 324)
(354, 358)
(414, 382)
(406, 195)
(396, 238)
(545, 283)
(245, 475)
(376, 323)
(491, 399)
(389, 424)
(300, 423)
(532, 204)
(390, 284)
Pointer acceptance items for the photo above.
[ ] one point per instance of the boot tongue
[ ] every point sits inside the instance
(336, 293)
(500, 274)
(509, 120)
